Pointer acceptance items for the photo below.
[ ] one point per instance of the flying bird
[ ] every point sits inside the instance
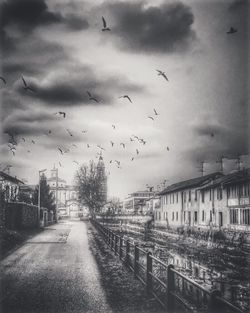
(60, 150)
(69, 132)
(76, 162)
(156, 113)
(26, 86)
(163, 74)
(110, 161)
(168, 148)
(88, 146)
(3, 79)
(28, 151)
(212, 134)
(122, 144)
(132, 159)
(33, 142)
(113, 126)
(74, 145)
(91, 97)
(137, 151)
(131, 139)
(232, 30)
(151, 118)
(118, 162)
(63, 114)
(126, 96)
(98, 146)
(84, 131)
(112, 144)
(105, 28)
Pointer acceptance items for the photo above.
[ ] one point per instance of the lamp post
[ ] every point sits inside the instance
(39, 194)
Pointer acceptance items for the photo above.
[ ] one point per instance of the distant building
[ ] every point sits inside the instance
(180, 202)
(225, 202)
(136, 201)
(67, 195)
(102, 178)
(10, 186)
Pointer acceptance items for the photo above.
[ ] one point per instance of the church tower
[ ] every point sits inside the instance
(103, 178)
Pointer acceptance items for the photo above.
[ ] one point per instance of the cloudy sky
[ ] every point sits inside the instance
(58, 46)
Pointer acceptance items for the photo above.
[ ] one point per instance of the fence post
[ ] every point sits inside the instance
(136, 260)
(214, 305)
(149, 272)
(171, 287)
(116, 240)
(120, 247)
(127, 252)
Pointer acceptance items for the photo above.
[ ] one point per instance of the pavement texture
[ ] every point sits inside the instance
(54, 271)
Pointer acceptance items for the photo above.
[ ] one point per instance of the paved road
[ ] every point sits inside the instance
(53, 272)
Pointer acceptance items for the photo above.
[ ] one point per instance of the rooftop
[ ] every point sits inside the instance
(10, 178)
(232, 178)
(194, 182)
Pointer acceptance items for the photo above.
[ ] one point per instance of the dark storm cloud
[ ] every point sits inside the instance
(70, 88)
(165, 28)
(29, 14)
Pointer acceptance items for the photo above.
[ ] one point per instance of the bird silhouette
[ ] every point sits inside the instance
(76, 162)
(232, 30)
(33, 142)
(137, 151)
(131, 139)
(127, 97)
(98, 146)
(122, 144)
(69, 132)
(60, 150)
(118, 162)
(110, 161)
(28, 151)
(113, 126)
(132, 159)
(212, 134)
(105, 28)
(84, 131)
(63, 114)
(168, 148)
(156, 113)
(26, 86)
(3, 80)
(74, 145)
(91, 97)
(88, 146)
(151, 118)
(161, 73)
(112, 144)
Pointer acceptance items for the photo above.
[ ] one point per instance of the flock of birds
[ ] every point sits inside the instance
(14, 138)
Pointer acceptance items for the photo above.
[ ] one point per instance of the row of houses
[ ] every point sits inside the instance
(214, 200)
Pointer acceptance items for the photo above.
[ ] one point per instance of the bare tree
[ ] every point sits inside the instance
(89, 185)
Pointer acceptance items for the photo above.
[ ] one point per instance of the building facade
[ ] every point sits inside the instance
(215, 200)
(10, 186)
(136, 201)
(66, 195)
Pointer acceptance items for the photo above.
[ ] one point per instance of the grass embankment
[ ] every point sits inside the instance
(124, 292)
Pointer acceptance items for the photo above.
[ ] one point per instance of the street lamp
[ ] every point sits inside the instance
(39, 193)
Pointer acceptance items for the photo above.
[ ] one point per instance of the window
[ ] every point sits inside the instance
(210, 194)
(219, 193)
(172, 216)
(177, 197)
(166, 216)
(195, 195)
(211, 216)
(245, 216)
(159, 215)
(176, 214)
(233, 216)
(173, 197)
(189, 195)
(202, 196)
(195, 216)
(203, 216)
(184, 196)
(184, 217)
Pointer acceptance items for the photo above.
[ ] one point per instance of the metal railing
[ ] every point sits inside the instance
(173, 290)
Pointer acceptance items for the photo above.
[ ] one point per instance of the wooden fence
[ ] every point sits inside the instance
(173, 290)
